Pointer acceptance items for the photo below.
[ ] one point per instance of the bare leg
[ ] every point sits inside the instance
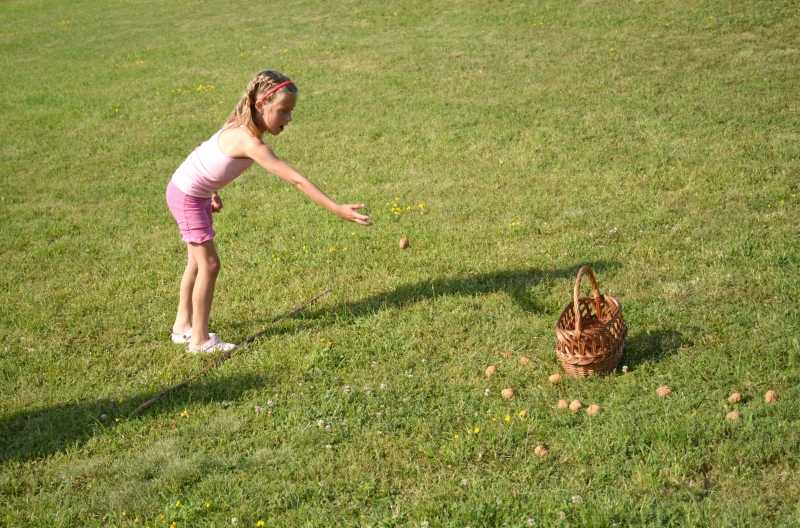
(207, 260)
(183, 321)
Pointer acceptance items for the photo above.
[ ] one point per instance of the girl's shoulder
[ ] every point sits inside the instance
(237, 142)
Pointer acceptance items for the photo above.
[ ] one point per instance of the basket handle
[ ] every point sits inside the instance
(576, 295)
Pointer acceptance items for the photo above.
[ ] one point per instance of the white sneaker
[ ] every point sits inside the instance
(182, 339)
(215, 344)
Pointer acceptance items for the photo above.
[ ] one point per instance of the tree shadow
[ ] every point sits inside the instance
(37, 433)
(43, 432)
(651, 347)
(517, 283)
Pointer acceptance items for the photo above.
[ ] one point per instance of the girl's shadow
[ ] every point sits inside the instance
(516, 283)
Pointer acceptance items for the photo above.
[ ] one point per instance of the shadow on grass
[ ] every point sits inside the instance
(651, 347)
(43, 432)
(516, 283)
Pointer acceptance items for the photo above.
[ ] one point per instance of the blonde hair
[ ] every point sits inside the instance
(245, 110)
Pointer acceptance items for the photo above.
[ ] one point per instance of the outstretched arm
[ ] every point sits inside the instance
(264, 156)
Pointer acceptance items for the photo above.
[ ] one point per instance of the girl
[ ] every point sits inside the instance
(192, 196)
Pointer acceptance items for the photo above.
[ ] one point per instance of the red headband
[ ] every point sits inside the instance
(274, 89)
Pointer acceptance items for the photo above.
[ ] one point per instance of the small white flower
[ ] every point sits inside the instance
(320, 423)
(234, 521)
(380, 432)
(576, 499)
(103, 416)
(327, 428)
(424, 524)
(486, 392)
(347, 389)
(624, 369)
(383, 385)
(531, 521)
(720, 255)
(328, 446)
(270, 403)
(561, 515)
(464, 482)
(410, 375)
(259, 409)
(368, 392)
(613, 231)
(378, 414)
(374, 364)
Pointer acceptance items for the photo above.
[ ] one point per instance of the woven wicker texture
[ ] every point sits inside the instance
(591, 332)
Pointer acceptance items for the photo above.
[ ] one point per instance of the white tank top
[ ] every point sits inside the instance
(208, 170)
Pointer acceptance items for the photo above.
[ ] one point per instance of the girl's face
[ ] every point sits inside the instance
(276, 116)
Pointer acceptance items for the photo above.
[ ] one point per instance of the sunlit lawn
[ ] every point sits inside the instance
(511, 142)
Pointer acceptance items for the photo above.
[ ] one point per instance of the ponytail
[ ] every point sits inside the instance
(259, 86)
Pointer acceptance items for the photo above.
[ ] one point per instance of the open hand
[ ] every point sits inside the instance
(348, 212)
(216, 203)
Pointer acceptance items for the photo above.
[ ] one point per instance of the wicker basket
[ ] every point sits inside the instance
(591, 332)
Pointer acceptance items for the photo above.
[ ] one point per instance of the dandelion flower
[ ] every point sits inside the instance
(508, 418)
(476, 430)
(260, 523)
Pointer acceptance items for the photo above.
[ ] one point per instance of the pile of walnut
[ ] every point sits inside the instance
(593, 410)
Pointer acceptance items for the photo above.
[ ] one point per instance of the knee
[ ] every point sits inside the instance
(211, 266)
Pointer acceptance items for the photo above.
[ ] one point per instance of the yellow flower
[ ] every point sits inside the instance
(476, 430)
(260, 523)
(178, 504)
(208, 505)
(508, 418)
(457, 437)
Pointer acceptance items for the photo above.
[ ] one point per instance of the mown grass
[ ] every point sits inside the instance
(656, 142)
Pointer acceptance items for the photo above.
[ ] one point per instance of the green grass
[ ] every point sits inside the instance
(668, 163)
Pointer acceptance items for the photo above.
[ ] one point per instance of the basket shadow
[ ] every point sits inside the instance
(651, 347)
(515, 282)
(42, 432)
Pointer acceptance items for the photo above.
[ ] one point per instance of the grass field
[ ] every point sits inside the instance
(657, 142)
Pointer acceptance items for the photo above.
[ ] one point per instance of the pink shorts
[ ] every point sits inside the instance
(192, 214)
